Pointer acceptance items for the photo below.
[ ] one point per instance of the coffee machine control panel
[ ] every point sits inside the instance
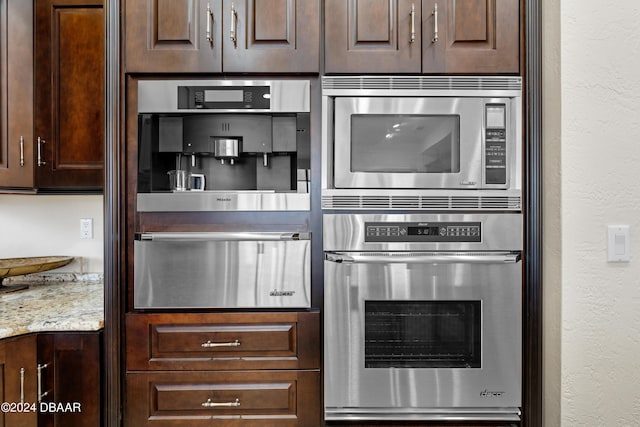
(224, 97)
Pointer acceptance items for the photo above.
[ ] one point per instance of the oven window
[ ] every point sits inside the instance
(405, 143)
(422, 334)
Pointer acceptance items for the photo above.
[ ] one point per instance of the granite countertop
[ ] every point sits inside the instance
(50, 305)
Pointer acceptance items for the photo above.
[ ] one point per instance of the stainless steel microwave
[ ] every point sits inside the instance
(396, 140)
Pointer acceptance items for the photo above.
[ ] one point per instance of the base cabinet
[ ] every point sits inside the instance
(223, 369)
(56, 376)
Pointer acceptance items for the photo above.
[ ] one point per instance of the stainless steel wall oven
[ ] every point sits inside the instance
(422, 316)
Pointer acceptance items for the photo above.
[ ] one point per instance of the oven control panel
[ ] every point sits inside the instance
(423, 232)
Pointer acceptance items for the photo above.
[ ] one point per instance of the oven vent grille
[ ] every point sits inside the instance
(423, 83)
(423, 202)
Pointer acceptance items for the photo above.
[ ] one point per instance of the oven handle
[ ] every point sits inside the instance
(223, 236)
(424, 258)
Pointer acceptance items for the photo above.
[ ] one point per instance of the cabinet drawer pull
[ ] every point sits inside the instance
(435, 23)
(21, 150)
(210, 404)
(413, 23)
(41, 162)
(40, 393)
(234, 23)
(209, 34)
(210, 344)
(21, 385)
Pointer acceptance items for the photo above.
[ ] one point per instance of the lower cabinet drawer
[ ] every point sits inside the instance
(230, 399)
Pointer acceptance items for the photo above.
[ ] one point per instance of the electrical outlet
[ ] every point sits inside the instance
(86, 228)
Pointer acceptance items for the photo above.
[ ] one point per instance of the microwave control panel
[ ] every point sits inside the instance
(496, 145)
(423, 232)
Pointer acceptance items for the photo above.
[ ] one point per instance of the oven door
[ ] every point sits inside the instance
(422, 335)
(400, 143)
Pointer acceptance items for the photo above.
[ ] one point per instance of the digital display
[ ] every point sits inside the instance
(223, 96)
(495, 117)
(423, 231)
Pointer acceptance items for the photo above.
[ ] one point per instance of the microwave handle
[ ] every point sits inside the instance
(223, 236)
(424, 258)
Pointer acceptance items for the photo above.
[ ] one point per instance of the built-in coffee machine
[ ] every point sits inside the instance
(215, 145)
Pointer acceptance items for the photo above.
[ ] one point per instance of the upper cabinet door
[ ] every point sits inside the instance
(372, 36)
(173, 36)
(271, 36)
(471, 36)
(69, 100)
(16, 95)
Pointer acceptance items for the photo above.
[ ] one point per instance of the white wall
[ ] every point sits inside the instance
(598, 142)
(50, 225)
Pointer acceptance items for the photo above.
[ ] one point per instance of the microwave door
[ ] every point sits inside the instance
(399, 143)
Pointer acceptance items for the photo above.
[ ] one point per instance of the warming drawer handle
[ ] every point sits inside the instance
(225, 236)
(210, 344)
(210, 404)
(408, 258)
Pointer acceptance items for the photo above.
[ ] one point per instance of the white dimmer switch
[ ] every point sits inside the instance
(618, 243)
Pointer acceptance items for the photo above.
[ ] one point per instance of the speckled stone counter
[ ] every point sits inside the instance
(52, 306)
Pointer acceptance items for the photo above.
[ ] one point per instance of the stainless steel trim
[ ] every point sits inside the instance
(423, 257)
(210, 404)
(161, 96)
(422, 414)
(208, 201)
(223, 236)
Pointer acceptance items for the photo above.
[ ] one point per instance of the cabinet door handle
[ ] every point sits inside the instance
(209, 23)
(21, 150)
(210, 344)
(210, 404)
(41, 162)
(435, 23)
(413, 23)
(39, 373)
(21, 385)
(234, 23)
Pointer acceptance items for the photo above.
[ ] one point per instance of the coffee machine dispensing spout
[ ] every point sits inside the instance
(226, 149)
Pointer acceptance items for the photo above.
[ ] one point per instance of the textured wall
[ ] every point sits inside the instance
(50, 225)
(600, 185)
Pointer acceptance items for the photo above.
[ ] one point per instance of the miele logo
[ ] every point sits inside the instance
(223, 199)
(487, 393)
(277, 293)
(467, 182)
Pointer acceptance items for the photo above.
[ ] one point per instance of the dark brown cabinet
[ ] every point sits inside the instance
(428, 36)
(265, 36)
(17, 169)
(69, 97)
(52, 96)
(246, 36)
(248, 369)
(57, 376)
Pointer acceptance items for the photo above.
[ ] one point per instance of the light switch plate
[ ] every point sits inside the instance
(618, 249)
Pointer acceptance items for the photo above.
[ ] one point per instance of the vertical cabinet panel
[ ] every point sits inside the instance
(69, 105)
(173, 36)
(271, 36)
(475, 36)
(16, 355)
(373, 36)
(16, 95)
